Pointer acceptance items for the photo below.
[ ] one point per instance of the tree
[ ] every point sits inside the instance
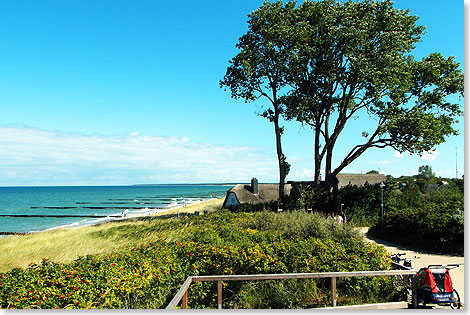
(425, 171)
(353, 59)
(258, 70)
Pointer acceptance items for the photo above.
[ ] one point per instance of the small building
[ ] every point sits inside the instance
(433, 187)
(254, 193)
(359, 180)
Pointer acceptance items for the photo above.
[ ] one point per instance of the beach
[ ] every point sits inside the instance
(66, 244)
(182, 210)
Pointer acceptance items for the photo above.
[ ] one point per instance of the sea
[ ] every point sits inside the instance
(33, 209)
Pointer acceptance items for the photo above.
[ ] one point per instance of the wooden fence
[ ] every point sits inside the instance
(182, 294)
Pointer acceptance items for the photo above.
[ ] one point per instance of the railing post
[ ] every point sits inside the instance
(333, 291)
(184, 303)
(219, 294)
(414, 291)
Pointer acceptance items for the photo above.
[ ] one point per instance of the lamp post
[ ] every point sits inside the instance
(382, 206)
(342, 207)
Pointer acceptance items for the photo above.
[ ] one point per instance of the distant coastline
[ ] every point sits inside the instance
(205, 184)
(128, 185)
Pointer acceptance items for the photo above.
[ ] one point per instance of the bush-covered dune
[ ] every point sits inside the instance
(149, 274)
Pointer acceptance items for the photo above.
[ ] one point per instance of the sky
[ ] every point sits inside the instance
(127, 92)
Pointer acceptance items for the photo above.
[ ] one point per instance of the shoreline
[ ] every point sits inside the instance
(150, 213)
(66, 244)
(162, 212)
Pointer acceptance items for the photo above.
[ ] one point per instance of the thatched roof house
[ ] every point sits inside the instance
(262, 193)
(254, 193)
(433, 187)
(360, 179)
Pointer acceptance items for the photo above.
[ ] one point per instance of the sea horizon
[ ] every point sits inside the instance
(128, 185)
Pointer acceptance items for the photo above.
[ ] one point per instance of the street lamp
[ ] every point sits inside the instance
(382, 206)
(342, 207)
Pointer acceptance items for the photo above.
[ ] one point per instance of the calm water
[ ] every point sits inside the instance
(96, 200)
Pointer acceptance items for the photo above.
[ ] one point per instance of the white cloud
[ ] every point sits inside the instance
(302, 175)
(31, 156)
(430, 156)
(348, 171)
(383, 162)
(397, 154)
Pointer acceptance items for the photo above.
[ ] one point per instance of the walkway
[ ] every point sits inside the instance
(425, 259)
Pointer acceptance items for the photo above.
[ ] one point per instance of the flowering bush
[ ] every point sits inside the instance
(149, 276)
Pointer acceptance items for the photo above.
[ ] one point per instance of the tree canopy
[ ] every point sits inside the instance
(337, 61)
(258, 71)
(425, 171)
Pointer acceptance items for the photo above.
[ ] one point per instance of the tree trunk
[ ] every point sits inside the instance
(329, 157)
(280, 155)
(317, 158)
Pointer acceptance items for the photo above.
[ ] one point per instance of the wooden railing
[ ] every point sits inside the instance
(182, 294)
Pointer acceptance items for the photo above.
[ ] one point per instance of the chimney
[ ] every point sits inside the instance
(254, 185)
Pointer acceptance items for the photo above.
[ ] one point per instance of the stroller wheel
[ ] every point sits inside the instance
(456, 304)
(421, 299)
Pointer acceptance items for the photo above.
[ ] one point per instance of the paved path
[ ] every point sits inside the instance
(425, 259)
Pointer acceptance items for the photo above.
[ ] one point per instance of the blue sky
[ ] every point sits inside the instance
(124, 92)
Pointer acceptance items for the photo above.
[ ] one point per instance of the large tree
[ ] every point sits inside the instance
(354, 59)
(258, 70)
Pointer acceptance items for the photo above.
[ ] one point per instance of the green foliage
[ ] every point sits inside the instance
(432, 226)
(451, 193)
(301, 224)
(425, 171)
(248, 207)
(258, 70)
(433, 221)
(360, 204)
(324, 62)
(408, 196)
(149, 275)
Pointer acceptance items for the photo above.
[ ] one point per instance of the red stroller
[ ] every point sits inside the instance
(434, 286)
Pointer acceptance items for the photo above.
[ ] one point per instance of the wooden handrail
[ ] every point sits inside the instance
(182, 293)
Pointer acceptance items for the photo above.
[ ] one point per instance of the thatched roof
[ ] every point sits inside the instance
(360, 179)
(434, 187)
(270, 192)
(266, 193)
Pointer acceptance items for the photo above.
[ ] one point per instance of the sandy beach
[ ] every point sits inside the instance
(189, 208)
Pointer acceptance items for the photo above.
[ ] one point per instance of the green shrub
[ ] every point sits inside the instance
(300, 224)
(360, 204)
(431, 226)
(148, 276)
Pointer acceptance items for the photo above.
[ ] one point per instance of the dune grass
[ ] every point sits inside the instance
(66, 245)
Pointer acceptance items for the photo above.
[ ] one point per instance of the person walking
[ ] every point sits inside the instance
(339, 219)
(343, 216)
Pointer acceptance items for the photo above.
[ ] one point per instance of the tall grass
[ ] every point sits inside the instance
(65, 245)
(300, 223)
